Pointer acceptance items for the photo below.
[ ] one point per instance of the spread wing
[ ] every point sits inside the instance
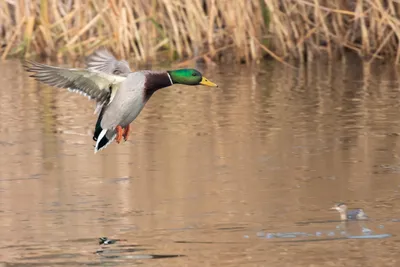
(102, 60)
(94, 84)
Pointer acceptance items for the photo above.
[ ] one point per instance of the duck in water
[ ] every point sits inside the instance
(106, 241)
(120, 94)
(346, 214)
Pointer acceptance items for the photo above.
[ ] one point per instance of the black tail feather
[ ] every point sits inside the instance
(103, 142)
(98, 129)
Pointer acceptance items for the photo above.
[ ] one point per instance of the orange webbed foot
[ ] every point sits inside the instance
(126, 132)
(120, 132)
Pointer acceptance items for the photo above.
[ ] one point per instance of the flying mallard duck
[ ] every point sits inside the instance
(120, 94)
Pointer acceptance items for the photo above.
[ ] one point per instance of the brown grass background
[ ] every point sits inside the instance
(213, 30)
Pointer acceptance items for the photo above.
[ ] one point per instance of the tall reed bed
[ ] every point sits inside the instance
(218, 30)
(305, 28)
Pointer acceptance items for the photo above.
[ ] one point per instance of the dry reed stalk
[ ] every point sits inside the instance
(12, 39)
(181, 29)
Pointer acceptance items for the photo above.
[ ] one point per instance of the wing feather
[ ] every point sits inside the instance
(102, 60)
(94, 84)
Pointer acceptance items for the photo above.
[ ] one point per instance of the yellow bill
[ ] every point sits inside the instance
(206, 82)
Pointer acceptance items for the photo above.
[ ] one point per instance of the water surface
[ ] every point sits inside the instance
(240, 175)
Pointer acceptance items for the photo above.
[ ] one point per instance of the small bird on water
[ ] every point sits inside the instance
(120, 94)
(106, 241)
(346, 214)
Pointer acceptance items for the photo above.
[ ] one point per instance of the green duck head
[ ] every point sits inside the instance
(189, 77)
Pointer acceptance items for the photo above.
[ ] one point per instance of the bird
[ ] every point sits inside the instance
(346, 214)
(119, 92)
(106, 241)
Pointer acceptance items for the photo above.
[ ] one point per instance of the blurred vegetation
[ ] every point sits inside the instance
(213, 30)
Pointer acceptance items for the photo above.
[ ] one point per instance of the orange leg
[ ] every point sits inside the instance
(120, 132)
(126, 132)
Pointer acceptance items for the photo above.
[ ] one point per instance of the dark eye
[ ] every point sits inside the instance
(194, 74)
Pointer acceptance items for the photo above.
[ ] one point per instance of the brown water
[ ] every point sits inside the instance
(241, 175)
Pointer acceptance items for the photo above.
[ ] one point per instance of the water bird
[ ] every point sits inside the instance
(120, 94)
(106, 241)
(346, 214)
